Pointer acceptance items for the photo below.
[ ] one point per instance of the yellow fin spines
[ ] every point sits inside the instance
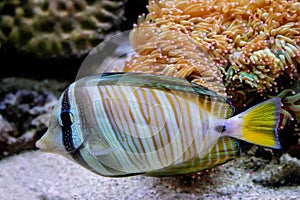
(260, 123)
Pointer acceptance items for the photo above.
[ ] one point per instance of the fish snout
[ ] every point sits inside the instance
(50, 142)
(44, 146)
(39, 144)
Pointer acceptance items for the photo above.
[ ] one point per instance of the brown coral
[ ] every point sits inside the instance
(57, 28)
(253, 43)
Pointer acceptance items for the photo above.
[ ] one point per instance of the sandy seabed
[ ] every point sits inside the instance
(37, 175)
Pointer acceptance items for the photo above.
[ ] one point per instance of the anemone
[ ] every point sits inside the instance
(291, 105)
(254, 45)
(291, 102)
(183, 58)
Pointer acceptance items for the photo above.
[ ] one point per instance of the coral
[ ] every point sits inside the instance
(57, 28)
(255, 44)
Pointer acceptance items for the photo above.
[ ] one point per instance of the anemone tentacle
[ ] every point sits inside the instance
(254, 45)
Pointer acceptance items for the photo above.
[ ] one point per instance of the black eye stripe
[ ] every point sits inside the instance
(65, 103)
(67, 137)
(65, 117)
(66, 122)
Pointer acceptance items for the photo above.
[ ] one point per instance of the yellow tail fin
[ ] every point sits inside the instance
(260, 123)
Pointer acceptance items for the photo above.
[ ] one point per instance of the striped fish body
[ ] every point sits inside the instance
(225, 150)
(129, 125)
(125, 124)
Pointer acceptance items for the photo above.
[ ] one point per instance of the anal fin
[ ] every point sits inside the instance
(225, 149)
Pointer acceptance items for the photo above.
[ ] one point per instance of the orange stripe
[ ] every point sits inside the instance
(108, 109)
(148, 121)
(124, 96)
(151, 93)
(190, 128)
(170, 99)
(167, 133)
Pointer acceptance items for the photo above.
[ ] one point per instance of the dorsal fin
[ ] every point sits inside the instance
(221, 106)
(156, 82)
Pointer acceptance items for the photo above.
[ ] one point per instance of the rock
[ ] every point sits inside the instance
(41, 122)
(7, 138)
(25, 111)
(6, 132)
(36, 110)
(287, 171)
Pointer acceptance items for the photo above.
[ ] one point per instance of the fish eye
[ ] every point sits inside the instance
(66, 119)
(220, 128)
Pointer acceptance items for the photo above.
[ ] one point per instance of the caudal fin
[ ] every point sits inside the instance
(260, 123)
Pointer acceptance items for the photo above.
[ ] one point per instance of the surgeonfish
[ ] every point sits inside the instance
(122, 124)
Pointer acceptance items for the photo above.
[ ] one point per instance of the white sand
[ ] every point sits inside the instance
(37, 175)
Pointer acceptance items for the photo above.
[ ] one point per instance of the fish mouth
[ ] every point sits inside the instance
(38, 144)
(41, 145)
(48, 143)
(48, 148)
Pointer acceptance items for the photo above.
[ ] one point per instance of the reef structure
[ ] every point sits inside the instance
(58, 28)
(254, 45)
